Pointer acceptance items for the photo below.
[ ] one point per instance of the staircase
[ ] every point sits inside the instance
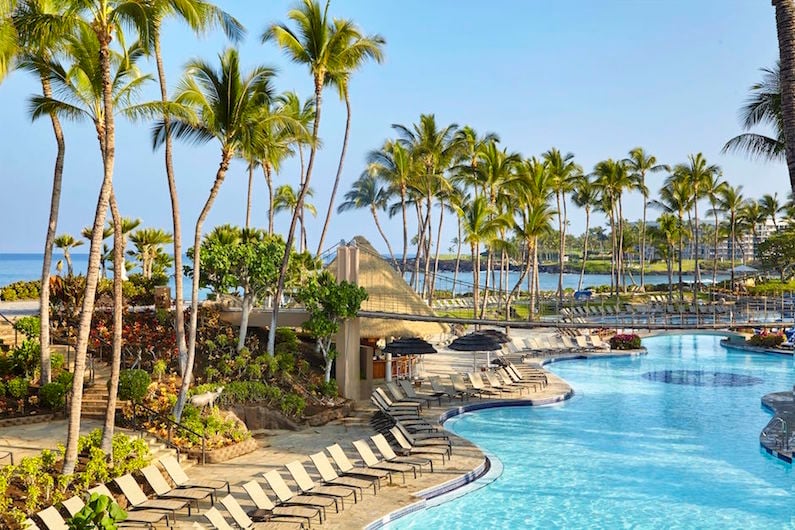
(95, 397)
(7, 335)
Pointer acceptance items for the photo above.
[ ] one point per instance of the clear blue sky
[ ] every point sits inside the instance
(593, 78)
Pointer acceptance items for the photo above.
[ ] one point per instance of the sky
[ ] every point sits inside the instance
(592, 78)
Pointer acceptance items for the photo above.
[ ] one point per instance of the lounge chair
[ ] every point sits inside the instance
(407, 448)
(408, 389)
(307, 485)
(497, 384)
(399, 393)
(409, 405)
(243, 521)
(288, 497)
(329, 476)
(138, 499)
(347, 468)
(460, 386)
(438, 436)
(134, 515)
(163, 491)
(218, 522)
(389, 454)
(265, 509)
(442, 390)
(477, 383)
(28, 524)
(51, 519)
(73, 505)
(177, 474)
(372, 461)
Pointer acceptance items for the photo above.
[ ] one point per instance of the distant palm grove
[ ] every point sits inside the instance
(89, 55)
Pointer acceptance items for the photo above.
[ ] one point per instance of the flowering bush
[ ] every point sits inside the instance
(628, 341)
(766, 339)
(148, 337)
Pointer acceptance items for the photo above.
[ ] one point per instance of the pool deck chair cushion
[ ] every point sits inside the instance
(51, 519)
(130, 489)
(389, 454)
(287, 496)
(347, 468)
(266, 510)
(177, 474)
(307, 485)
(242, 520)
(407, 449)
(73, 505)
(163, 490)
(372, 461)
(329, 476)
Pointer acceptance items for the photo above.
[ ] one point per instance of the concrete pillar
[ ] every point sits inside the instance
(348, 367)
(388, 375)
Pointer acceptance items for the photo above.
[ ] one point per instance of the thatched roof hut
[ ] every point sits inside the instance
(389, 292)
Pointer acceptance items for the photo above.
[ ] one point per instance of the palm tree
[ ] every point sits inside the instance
(713, 187)
(350, 56)
(698, 175)
(66, 243)
(199, 16)
(40, 34)
(640, 163)
(319, 45)
(148, 246)
(394, 164)
(771, 207)
(9, 44)
(785, 28)
(586, 196)
(749, 217)
(730, 200)
(470, 148)
(286, 200)
(676, 197)
(563, 171)
(479, 226)
(611, 179)
(367, 192)
(668, 231)
(304, 115)
(91, 81)
(228, 104)
(762, 108)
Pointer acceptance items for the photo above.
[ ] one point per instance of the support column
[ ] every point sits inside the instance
(348, 364)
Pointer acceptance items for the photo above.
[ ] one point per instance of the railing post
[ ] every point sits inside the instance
(204, 461)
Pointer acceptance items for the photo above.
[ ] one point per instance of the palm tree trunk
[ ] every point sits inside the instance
(302, 179)
(118, 308)
(339, 171)
(560, 249)
(584, 247)
(296, 213)
(715, 256)
(426, 281)
(681, 249)
(179, 311)
(415, 272)
(697, 274)
(94, 254)
(226, 156)
(669, 264)
(785, 27)
(266, 171)
(457, 258)
(621, 275)
(405, 228)
(534, 282)
(643, 237)
(614, 258)
(248, 194)
(383, 235)
(489, 260)
(52, 226)
(517, 286)
(475, 279)
(436, 258)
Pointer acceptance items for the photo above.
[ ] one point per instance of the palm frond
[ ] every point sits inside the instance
(756, 146)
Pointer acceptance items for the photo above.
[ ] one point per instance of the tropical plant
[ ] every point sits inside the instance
(367, 192)
(586, 196)
(563, 171)
(640, 164)
(730, 200)
(66, 243)
(148, 244)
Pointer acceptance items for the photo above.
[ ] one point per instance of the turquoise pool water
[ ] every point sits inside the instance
(667, 440)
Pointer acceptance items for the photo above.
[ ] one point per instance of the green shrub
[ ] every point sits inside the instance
(625, 342)
(101, 511)
(29, 326)
(766, 340)
(65, 378)
(52, 395)
(285, 362)
(57, 361)
(2, 388)
(18, 387)
(26, 357)
(329, 389)
(293, 405)
(159, 369)
(133, 385)
(22, 290)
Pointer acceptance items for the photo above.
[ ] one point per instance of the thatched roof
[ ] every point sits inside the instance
(389, 292)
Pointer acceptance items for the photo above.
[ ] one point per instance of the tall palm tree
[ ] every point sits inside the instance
(730, 200)
(199, 16)
(563, 170)
(771, 207)
(394, 164)
(350, 57)
(698, 175)
(479, 226)
(148, 246)
(612, 179)
(713, 187)
(640, 164)
(586, 196)
(105, 19)
(785, 28)
(303, 113)
(286, 200)
(36, 32)
(762, 108)
(668, 231)
(9, 43)
(676, 198)
(749, 217)
(228, 103)
(470, 148)
(317, 44)
(66, 243)
(367, 192)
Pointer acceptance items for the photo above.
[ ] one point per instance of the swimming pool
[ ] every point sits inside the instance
(666, 440)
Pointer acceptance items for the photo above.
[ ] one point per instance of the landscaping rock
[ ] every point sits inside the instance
(327, 415)
(260, 417)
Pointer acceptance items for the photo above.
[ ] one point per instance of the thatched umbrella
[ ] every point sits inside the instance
(405, 346)
(496, 334)
(476, 342)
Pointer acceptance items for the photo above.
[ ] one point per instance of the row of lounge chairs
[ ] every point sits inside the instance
(541, 346)
(465, 302)
(590, 311)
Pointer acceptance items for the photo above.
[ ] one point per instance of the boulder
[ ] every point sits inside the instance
(258, 417)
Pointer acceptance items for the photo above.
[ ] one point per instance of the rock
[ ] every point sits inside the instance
(327, 415)
(260, 417)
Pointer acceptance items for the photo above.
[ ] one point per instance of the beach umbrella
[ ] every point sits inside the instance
(405, 346)
(476, 342)
(496, 334)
